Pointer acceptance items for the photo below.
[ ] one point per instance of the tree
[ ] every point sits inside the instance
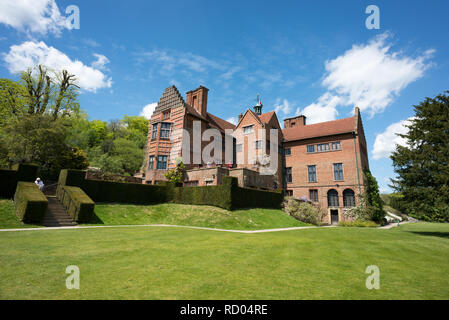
(12, 100)
(56, 95)
(177, 174)
(40, 139)
(422, 166)
(373, 198)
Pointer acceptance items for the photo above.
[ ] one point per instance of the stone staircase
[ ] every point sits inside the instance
(56, 215)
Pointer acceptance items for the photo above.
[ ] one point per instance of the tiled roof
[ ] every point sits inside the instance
(319, 129)
(223, 124)
(266, 117)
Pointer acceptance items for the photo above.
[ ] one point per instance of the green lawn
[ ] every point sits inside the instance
(8, 218)
(178, 263)
(191, 215)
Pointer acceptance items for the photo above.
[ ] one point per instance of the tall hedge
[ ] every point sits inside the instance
(31, 204)
(228, 195)
(9, 178)
(77, 203)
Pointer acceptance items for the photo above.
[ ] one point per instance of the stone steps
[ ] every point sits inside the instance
(56, 215)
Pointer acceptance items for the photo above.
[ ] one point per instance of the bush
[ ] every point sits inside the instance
(31, 204)
(362, 212)
(78, 205)
(304, 211)
(358, 223)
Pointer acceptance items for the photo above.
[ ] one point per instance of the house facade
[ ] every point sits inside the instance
(323, 162)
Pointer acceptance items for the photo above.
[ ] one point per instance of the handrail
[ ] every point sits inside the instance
(70, 200)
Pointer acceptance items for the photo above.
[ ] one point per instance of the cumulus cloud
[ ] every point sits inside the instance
(33, 16)
(369, 76)
(148, 110)
(30, 53)
(325, 109)
(386, 141)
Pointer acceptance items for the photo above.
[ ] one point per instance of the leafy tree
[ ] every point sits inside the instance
(373, 198)
(55, 95)
(12, 100)
(177, 174)
(422, 166)
(40, 139)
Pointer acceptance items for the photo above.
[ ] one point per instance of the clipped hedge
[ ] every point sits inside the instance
(9, 178)
(219, 196)
(109, 191)
(77, 203)
(227, 196)
(31, 204)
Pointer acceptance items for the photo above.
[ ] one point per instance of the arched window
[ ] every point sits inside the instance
(332, 198)
(348, 198)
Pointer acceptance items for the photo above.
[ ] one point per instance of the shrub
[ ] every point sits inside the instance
(78, 205)
(362, 212)
(304, 211)
(373, 197)
(358, 223)
(31, 204)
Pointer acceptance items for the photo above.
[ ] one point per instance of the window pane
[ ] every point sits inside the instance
(312, 173)
(154, 132)
(288, 151)
(151, 163)
(338, 171)
(310, 148)
(336, 145)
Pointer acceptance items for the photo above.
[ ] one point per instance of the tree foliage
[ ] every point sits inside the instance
(422, 166)
(373, 198)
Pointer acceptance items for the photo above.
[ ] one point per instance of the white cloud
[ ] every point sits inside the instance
(30, 53)
(325, 109)
(101, 62)
(386, 141)
(33, 16)
(148, 110)
(369, 76)
(283, 107)
(232, 120)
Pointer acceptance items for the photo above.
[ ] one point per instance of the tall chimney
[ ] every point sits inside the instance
(198, 99)
(298, 121)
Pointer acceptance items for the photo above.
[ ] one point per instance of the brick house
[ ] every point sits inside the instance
(322, 162)
(165, 135)
(325, 162)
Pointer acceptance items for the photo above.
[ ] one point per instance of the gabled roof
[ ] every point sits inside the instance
(171, 98)
(266, 117)
(222, 124)
(321, 129)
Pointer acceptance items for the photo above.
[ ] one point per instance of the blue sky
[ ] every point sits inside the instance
(310, 57)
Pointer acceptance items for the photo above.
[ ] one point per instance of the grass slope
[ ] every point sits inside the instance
(192, 215)
(172, 263)
(8, 218)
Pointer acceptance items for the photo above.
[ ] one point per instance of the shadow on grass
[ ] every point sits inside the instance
(432, 234)
(94, 220)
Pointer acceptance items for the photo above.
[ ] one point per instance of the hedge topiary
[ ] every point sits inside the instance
(31, 204)
(77, 203)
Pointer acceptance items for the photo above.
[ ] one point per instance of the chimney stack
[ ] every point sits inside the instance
(198, 99)
(298, 121)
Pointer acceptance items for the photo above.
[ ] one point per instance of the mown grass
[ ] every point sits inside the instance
(178, 263)
(193, 215)
(8, 218)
